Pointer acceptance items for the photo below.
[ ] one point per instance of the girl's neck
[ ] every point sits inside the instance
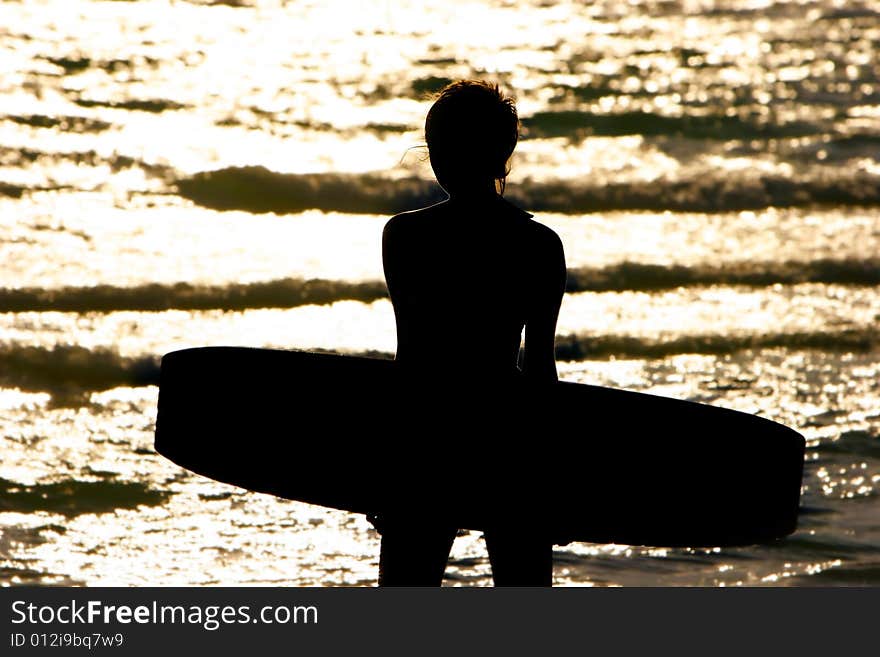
(474, 194)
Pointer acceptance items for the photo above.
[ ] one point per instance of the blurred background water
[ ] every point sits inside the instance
(183, 173)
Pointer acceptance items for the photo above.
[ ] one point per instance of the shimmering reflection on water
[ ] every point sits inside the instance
(689, 140)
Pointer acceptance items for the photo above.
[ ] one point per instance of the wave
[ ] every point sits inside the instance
(258, 115)
(70, 367)
(283, 293)
(294, 292)
(71, 64)
(427, 86)
(650, 277)
(154, 105)
(77, 63)
(73, 497)
(578, 347)
(24, 157)
(79, 124)
(13, 191)
(705, 194)
(237, 4)
(576, 124)
(257, 189)
(67, 369)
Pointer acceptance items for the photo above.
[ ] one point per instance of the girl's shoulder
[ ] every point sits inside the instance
(412, 219)
(543, 235)
(445, 218)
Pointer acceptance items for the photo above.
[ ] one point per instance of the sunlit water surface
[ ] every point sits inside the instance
(166, 180)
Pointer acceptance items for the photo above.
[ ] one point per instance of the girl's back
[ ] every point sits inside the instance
(465, 278)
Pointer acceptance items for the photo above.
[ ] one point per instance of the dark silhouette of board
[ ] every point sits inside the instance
(579, 462)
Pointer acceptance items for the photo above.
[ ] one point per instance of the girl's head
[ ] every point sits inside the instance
(471, 130)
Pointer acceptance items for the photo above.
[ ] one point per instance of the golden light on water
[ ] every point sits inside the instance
(80, 239)
(731, 127)
(354, 326)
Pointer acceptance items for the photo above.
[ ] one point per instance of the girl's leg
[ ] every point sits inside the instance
(413, 554)
(519, 558)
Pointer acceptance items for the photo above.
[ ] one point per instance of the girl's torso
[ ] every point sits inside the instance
(460, 277)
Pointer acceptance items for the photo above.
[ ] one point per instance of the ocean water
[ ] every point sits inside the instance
(177, 173)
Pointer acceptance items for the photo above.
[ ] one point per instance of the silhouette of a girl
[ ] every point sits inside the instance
(466, 276)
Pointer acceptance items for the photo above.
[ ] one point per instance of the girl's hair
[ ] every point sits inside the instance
(471, 131)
